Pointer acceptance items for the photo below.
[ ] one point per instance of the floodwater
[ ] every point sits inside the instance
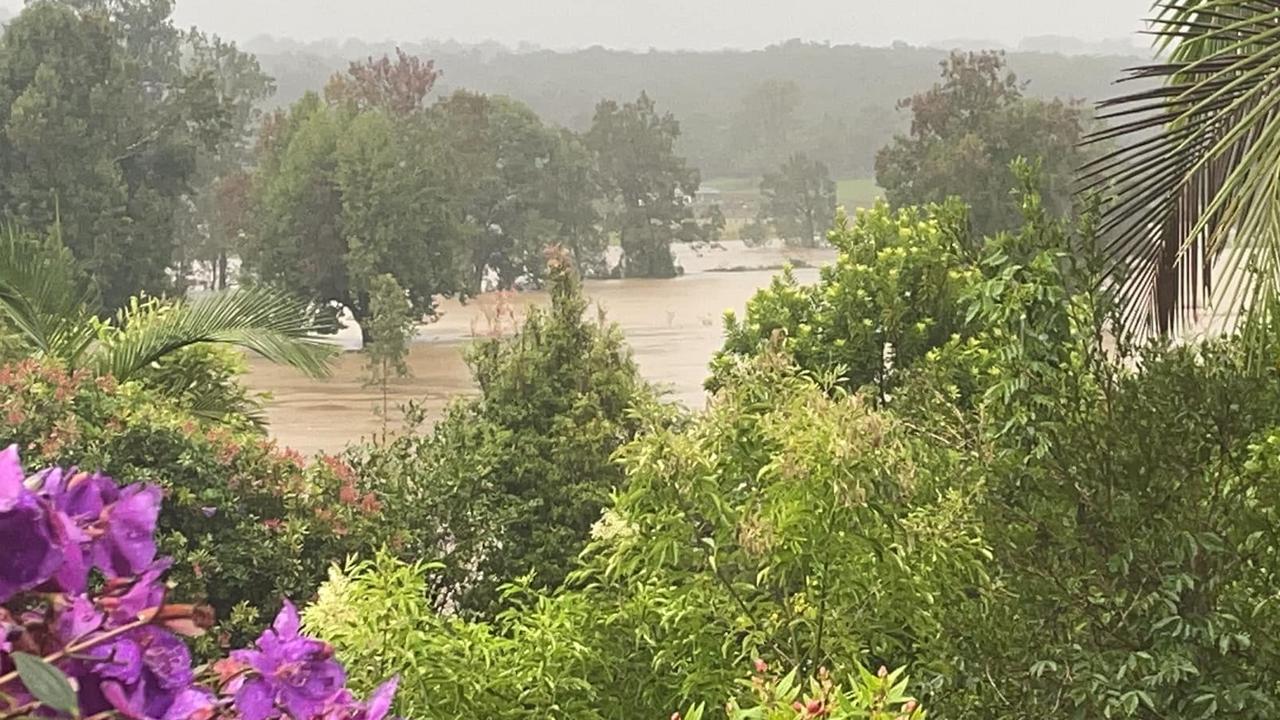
(673, 326)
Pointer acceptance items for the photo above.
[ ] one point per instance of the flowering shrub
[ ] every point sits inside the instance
(245, 521)
(118, 651)
(881, 696)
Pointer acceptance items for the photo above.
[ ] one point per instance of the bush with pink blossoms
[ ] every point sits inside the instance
(87, 629)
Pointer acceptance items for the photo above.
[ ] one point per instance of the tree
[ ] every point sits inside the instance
(649, 186)
(509, 483)
(520, 184)
(799, 199)
(102, 127)
(217, 209)
(392, 326)
(1193, 219)
(965, 132)
(893, 295)
(345, 193)
(400, 87)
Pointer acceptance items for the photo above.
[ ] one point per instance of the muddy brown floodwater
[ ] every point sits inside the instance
(673, 327)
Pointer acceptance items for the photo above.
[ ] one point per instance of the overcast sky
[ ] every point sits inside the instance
(665, 24)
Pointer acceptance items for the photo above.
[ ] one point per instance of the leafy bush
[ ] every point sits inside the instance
(891, 296)
(87, 627)
(881, 696)
(246, 522)
(510, 482)
(529, 663)
(788, 521)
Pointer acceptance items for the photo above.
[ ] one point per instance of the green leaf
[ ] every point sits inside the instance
(46, 683)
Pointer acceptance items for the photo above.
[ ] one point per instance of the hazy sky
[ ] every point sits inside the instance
(639, 24)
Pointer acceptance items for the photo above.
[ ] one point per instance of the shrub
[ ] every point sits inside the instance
(246, 522)
(789, 521)
(529, 663)
(881, 696)
(87, 627)
(510, 482)
(892, 295)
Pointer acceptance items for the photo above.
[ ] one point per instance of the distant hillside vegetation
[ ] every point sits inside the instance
(742, 112)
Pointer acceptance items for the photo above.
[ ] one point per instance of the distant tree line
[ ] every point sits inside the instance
(742, 113)
(145, 151)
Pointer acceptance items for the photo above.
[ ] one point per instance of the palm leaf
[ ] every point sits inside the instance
(272, 324)
(43, 299)
(1196, 181)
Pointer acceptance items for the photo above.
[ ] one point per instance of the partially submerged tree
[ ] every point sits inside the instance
(650, 186)
(799, 200)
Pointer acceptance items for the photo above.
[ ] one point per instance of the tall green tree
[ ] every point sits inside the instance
(392, 324)
(799, 199)
(965, 132)
(101, 127)
(521, 186)
(509, 483)
(649, 185)
(217, 210)
(345, 192)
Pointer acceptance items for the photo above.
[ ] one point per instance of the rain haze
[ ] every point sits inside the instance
(665, 24)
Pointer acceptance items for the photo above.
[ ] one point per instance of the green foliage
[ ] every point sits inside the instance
(648, 184)
(393, 326)
(510, 482)
(789, 521)
(522, 186)
(798, 199)
(102, 126)
(966, 131)
(881, 696)
(245, 522)
(342, 197)
(528, 663)
(183, 349)
(893, 294)
(742, 112)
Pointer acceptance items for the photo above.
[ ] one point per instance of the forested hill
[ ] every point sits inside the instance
(741, 111)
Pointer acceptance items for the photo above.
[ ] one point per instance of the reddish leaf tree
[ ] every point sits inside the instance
(399, 86)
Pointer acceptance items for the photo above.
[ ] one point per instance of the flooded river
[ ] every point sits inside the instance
(673, 327)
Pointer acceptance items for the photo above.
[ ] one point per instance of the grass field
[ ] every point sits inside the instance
(854, 193)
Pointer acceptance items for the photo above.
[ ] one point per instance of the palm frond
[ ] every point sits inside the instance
(1196, 183)
(42, 297)
(272, 324)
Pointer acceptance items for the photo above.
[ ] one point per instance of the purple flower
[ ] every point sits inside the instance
(292, 674)
(146, 675)
(380, 702)
(33, 541)
(127, 545)
(78, 620)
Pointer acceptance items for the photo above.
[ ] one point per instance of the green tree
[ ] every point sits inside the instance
(509, 483)
(893, 294)
(344, 193)
(392, 326)
(102, 126)
(217, 209)
(648, 184)
(965, 132)
(799, 199)
(521, 186)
